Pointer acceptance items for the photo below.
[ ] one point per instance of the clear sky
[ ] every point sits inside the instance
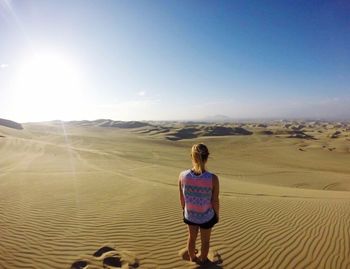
(174, 60)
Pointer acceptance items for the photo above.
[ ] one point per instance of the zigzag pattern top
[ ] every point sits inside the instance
(197, 191)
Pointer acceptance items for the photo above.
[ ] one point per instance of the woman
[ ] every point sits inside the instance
(199, 197)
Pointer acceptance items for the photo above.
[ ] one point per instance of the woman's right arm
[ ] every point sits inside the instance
(182, 199)
(215, 196)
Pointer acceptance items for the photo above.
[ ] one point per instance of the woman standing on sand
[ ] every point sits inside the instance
(199, 197)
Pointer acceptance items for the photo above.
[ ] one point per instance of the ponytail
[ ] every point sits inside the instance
(199, 155)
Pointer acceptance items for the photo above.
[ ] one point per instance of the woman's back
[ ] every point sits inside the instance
(197, 191)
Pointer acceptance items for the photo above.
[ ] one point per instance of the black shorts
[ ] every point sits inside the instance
(206, 225)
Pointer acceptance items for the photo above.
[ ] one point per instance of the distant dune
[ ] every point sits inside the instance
(111, 123)
(304, 130)
(300, 134)
(10, 124)
(171, 130)
(267, 132)
(201, 131)
(336, 134)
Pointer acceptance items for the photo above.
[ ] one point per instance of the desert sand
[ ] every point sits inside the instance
(88, 194)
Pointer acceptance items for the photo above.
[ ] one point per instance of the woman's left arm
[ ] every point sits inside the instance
(215, 196)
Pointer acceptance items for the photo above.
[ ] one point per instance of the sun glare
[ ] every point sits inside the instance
(47, 86)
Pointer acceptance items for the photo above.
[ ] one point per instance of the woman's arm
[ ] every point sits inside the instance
(182, 199)
(215, 196)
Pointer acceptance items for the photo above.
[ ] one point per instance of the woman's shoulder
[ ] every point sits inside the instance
(184, 173)
(213, 176)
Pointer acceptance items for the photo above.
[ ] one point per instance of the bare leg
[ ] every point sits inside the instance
(205, 240)
(191, 242)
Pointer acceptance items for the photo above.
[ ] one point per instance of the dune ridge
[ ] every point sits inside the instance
(10, 124)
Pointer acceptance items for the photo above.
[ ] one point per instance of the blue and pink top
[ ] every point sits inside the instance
(197, 191)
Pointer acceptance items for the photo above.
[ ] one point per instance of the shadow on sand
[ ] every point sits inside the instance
(214, 262)
(210, 265)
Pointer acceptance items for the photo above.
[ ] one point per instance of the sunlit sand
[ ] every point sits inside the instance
(105, 193)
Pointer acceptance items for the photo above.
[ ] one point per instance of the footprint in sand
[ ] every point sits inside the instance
(79, 265)
(103, 250)
(214, 259)
(108, 257)
(113, 261)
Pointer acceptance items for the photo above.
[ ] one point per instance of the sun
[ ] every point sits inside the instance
(47, 86)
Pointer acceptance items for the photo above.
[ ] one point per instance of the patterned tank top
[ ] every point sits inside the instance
(197, 191)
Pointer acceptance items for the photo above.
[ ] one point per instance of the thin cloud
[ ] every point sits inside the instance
(141, 93)
(3, 66)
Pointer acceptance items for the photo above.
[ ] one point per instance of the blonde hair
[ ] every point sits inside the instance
(199, 154)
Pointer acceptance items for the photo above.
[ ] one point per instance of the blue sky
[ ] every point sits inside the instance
(174, 60)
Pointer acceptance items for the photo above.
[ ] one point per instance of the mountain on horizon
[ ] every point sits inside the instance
(217, 118)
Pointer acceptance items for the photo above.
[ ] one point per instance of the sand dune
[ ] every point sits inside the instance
(110, 123)
(300, 134)
(201, 131)
(10, 124)
(75, 196)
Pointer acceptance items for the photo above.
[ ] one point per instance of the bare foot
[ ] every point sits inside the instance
(195, 259)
